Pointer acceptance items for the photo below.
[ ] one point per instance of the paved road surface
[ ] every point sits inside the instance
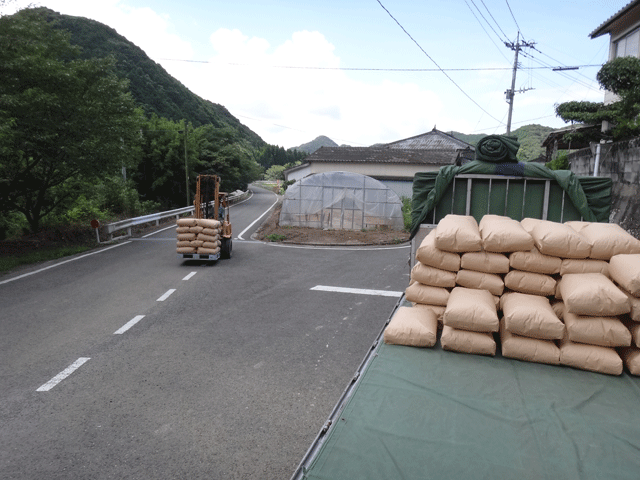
(231, 376)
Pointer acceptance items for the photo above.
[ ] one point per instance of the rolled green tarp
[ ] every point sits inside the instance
(497, 149)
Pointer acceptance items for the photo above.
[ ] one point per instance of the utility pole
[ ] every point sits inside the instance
(512, 91)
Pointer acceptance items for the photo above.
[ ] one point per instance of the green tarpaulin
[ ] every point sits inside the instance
(591, 196)
(420, 414)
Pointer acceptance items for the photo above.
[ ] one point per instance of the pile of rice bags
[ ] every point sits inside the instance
(198, 235)
(560, 294)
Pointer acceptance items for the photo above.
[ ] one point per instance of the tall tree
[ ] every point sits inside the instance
(63, 119)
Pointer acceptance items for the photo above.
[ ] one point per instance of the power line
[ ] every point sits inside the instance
(512, 16)
(369, 69)
(497, 24)
(485, 30)
(484, 18)
(435, 63)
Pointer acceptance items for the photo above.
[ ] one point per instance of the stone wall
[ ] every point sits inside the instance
(621, 162)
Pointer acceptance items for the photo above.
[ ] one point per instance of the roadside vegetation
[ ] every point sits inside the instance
(83, 139)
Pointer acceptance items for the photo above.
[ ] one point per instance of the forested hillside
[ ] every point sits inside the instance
(90, 127)
(529, 136)
(151, 86)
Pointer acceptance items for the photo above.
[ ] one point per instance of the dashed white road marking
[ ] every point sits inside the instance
(358, 291)
(128, 325)
(63, 374)
(189, 276)
(166, 295)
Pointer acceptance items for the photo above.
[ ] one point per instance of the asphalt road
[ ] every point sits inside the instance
(230, 376)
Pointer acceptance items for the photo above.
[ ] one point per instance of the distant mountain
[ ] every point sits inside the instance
(314, 145)
(529, 136)
(152, 87)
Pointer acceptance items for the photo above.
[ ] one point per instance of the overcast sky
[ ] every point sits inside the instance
(367, 71)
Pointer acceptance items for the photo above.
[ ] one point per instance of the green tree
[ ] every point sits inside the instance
(620, 76)
(160, 176)
(64, 120)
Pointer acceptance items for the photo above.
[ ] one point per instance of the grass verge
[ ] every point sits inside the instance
(8, 263)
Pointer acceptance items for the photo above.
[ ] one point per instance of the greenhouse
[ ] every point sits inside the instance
(341, 201)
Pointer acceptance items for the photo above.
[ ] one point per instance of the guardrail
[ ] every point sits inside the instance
(128, 224)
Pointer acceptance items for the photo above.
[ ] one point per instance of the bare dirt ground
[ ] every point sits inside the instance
(270, 230)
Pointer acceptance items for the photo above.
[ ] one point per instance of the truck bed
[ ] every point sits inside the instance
(431, 414)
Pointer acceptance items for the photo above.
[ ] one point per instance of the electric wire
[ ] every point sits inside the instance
(485, 30)
(497, 24)
(370, 69)
(435, 63)
(513, 16)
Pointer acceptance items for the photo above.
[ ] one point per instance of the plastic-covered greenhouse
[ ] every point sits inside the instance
(341, 201)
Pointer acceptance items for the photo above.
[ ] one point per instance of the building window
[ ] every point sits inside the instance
(628, 46)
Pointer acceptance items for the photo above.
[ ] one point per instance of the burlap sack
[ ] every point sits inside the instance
(413, 327)
(186, 237)
(467, 342)
(485, 262)
(429, 254)
(528, 349)
(208, 251)
(182, 229)
(592, 294)
(181, 244)
(625, 271)
(530, 283)
(559, 240)
(186, 249)
(535, 262)
(197, 229)
(211, 245)
(208, 223)
(503, 234)
(196, 243)
(458, 233)
(603, 331)
(426, 295)
(530, 316)
(634, 303)
(577, 225)
(558, 308)
(211, 231)
(432, 276)
(529, 223)
(590, 357)
(631, 358)
(634, 329)
(470, 309)
(186, 222)
(575, 265)
(609, 239)
(438, 310)
(208, 238)
(480, 281)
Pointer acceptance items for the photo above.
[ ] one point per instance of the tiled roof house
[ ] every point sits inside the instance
(394, 163)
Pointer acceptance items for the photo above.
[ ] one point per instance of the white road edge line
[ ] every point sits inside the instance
(166, 295)
(63, 374)
(359, 291)
(239, 237)
(128, 325)
(61, 263)
(189, 276)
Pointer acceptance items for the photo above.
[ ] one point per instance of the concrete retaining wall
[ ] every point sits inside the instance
(621, 162)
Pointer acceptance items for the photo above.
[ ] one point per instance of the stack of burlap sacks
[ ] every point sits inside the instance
(545, 289)
(198, 235)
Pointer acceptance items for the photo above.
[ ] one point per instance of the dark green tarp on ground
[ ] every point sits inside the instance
(591, 196)
(420, 414)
